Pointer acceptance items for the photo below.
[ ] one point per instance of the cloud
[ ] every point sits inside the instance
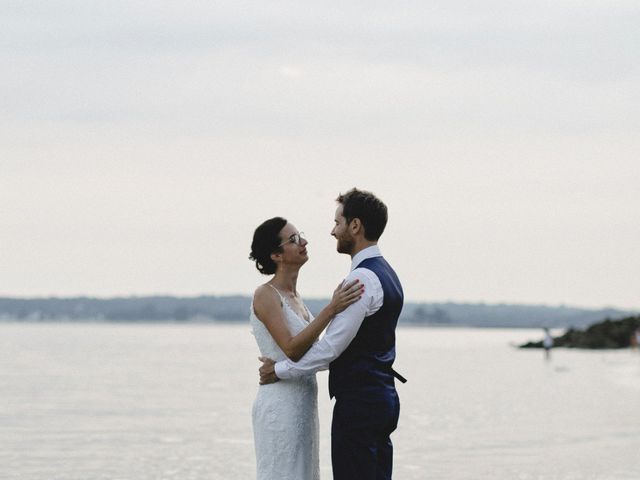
(289, 71)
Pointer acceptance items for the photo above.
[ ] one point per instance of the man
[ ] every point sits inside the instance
(358, 347)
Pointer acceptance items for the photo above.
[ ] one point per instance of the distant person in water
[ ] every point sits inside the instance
(635, 339)
(547, 343)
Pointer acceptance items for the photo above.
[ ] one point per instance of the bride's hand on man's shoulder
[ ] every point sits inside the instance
(346, 294)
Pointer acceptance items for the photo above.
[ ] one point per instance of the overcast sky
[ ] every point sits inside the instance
(141, 143)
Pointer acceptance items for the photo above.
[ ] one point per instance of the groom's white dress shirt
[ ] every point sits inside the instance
(345, 325)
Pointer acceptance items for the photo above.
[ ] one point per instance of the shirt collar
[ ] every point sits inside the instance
(369, 252)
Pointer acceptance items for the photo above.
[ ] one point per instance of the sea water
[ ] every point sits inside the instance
(138, 401)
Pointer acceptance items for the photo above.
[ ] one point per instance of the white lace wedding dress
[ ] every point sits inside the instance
(285, 414)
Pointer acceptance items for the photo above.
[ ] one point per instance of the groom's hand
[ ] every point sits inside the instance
(267, 371)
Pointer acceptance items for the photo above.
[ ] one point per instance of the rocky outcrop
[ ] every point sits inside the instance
(606, 334)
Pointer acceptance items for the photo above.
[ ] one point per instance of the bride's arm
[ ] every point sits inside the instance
(266, 304)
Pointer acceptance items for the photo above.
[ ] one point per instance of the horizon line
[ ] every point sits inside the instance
(193, 296)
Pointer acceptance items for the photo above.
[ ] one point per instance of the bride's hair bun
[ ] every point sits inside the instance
(266, 240)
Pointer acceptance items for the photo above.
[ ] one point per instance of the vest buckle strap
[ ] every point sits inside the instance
(397, 375)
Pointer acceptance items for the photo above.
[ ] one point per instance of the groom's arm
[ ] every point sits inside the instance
(338, 336)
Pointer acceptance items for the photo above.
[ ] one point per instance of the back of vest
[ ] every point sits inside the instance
(366, 363)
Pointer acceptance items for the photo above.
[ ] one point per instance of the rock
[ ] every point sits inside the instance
(606, 334)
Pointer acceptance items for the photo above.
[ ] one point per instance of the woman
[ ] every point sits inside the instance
(285, 414)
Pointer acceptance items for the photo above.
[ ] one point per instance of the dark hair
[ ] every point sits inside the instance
(365, 206)
(266, 240)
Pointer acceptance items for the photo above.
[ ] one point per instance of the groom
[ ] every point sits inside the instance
(358, 348)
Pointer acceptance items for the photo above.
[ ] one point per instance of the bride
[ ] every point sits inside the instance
(285, 414)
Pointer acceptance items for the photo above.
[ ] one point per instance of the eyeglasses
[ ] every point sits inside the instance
(296, 238)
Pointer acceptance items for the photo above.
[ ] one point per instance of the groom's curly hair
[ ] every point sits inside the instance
(266, 240)
(365, 206)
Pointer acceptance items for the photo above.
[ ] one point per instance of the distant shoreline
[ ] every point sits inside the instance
(87, 321)
(235, 309)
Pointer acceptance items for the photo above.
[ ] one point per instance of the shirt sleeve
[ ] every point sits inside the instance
(340, 332)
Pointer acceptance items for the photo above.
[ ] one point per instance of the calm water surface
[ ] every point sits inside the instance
(141, 402)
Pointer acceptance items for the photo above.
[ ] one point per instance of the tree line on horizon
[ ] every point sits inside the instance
(235, 308)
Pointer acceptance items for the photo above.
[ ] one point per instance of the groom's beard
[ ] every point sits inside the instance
(345, 245)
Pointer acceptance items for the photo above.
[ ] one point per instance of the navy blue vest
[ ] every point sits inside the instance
(366, 363)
